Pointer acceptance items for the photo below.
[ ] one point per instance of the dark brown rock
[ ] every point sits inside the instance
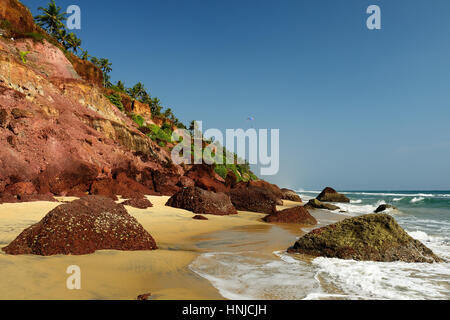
(374, 237)
(204, 177)
(21, 188)
(105, 188)
(4, 118)
(290, 195)
(83, 227)
(139, 203)
(254, 199)
(384, 207)
(202, 201)
(20, 113)
(316, 204)
(298, 215)
(331, 195)
(272, 188)
(143, 297)
(166, 183)
(199, 217)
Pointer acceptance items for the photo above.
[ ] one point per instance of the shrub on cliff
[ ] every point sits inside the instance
(138, 119)
(116, 100)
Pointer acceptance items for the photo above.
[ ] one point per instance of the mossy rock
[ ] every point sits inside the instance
(373, 237)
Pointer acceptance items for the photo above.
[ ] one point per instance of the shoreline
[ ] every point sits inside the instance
(120, 275)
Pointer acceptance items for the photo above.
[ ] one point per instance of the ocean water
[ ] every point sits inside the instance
(279, 275)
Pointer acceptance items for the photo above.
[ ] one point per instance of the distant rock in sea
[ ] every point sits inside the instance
(316, 204)
(298, 215)
(202, 201)
(82, 227)
(373, 237)
(331, 195)
(290, 195)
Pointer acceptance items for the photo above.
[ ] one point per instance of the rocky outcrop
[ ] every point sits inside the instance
(385, 207)
(138, 203)
(331, 195)
(254, 199)
(83, 227)
(316, 204)
(298, 215)
(290, 195)
(19, 19)
(202, 201)
(59, 132)
(374, 237)
(205, 178)
(272, 188)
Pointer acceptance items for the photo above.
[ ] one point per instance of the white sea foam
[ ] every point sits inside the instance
(417, 199)
(377, 280)
(398, 199)
(246, 277)
(241, 276)
(387, 194)
(356, 210)
(356, 201)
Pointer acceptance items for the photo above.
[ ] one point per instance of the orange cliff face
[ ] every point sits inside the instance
(60, 135)
(18, 16)
(18, 22)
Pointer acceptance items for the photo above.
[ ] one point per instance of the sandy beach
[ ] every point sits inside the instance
(124, 275)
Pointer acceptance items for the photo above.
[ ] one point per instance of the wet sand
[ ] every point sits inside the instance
(124, 275)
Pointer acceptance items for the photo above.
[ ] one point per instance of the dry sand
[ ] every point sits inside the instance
(124, 275)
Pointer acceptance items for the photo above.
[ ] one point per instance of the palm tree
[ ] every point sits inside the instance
(120, 86)
(137, 91)
(62, 36)
(52, 18)
(73, 42)
(84, 55)
(105, 66)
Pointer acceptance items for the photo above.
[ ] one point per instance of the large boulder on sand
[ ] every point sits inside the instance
(290, 195)
(374, 237)
(82, 227)
(254, 199)
(331, 195)
(316, 204)
(297, 215)
(202, 201)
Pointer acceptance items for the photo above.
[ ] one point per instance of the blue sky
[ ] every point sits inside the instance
(356, 109)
